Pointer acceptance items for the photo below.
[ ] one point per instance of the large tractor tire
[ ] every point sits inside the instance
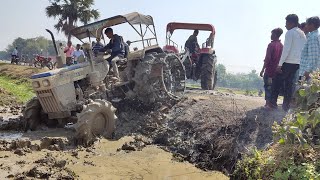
(158, 80)
(96, 119)
(188, 67)
(208, 72)
(174, 75)
(32, 114)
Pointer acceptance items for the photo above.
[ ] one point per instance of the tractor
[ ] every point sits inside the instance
(200, 64)
(81, 95)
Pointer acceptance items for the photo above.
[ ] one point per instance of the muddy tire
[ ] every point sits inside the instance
(208, 72)
(154, 80)
(174, 75)
(188, 67)
(96, 119)
(215, 79)
(32, 114)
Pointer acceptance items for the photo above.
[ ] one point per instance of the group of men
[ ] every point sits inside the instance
(115, 48)
(71, 55)
(286, 64)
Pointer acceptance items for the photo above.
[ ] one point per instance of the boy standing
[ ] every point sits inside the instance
(271, 62)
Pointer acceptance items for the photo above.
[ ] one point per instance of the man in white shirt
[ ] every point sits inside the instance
(14, 53)
(78, 54)
(289, 61)
(14, 56)
(61, 53)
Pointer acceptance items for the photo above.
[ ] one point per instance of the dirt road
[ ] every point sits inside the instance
(208, 129)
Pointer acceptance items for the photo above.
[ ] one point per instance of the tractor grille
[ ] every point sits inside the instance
(48, 101)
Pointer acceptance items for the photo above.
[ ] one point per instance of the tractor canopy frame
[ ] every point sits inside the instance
(172, 26)
(95, 29)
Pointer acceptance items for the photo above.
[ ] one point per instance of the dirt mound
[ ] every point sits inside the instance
(209, 129)
(15, 71)
(213, 132)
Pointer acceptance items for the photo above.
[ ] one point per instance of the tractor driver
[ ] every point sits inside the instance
(116, 49)
(192, 42)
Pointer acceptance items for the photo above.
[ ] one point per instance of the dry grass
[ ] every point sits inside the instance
(16, 71)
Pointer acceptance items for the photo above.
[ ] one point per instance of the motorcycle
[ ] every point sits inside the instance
(41, 61)
(14, 60)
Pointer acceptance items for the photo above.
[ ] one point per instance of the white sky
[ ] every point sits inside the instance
(242, 27)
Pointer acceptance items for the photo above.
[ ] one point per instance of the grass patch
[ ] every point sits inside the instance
(19, 88)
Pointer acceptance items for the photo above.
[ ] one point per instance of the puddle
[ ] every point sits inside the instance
(10, 135)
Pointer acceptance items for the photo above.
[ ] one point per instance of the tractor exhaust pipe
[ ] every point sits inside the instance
(58, 56)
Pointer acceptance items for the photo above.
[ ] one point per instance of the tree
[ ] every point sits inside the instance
(30, 47)
(69, 12)
(4, 55)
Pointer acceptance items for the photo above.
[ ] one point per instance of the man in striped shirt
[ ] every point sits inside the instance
(310, 57)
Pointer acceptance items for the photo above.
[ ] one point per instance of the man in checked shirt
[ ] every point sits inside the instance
(310, 56)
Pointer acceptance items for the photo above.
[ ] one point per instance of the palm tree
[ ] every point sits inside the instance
(69, 12)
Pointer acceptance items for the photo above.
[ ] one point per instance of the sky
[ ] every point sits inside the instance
(243, 28)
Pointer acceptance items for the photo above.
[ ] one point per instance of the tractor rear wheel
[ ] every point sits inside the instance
(174, 75)
(208, 72)
(96, 119)
(188, 67)
(159, 78)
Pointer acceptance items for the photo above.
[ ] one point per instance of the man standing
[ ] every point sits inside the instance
(61, 53)
(69, 51)
(115, 48)
(192, 42)
(303, 27)
(310, 56)
(14, 54)
(96, 47)
(78, 55)
(271, 62)
(289, 61)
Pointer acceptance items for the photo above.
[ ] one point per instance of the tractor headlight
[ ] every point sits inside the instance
(46, 83)
(35, 84)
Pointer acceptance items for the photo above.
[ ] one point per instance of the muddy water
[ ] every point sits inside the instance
(150, 163)
(105, 162)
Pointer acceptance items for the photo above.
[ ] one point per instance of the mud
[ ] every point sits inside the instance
(6, 98)
(214, 131)
(209, 129)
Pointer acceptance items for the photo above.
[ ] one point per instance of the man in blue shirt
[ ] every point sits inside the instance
(96, 47)
(310, 56)
(115, 48)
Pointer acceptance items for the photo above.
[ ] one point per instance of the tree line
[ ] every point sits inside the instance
(244, 81)
(29, 47)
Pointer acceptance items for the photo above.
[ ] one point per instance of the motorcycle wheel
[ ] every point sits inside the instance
(50, 65)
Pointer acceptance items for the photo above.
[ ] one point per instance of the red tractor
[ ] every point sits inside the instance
(199, 62)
